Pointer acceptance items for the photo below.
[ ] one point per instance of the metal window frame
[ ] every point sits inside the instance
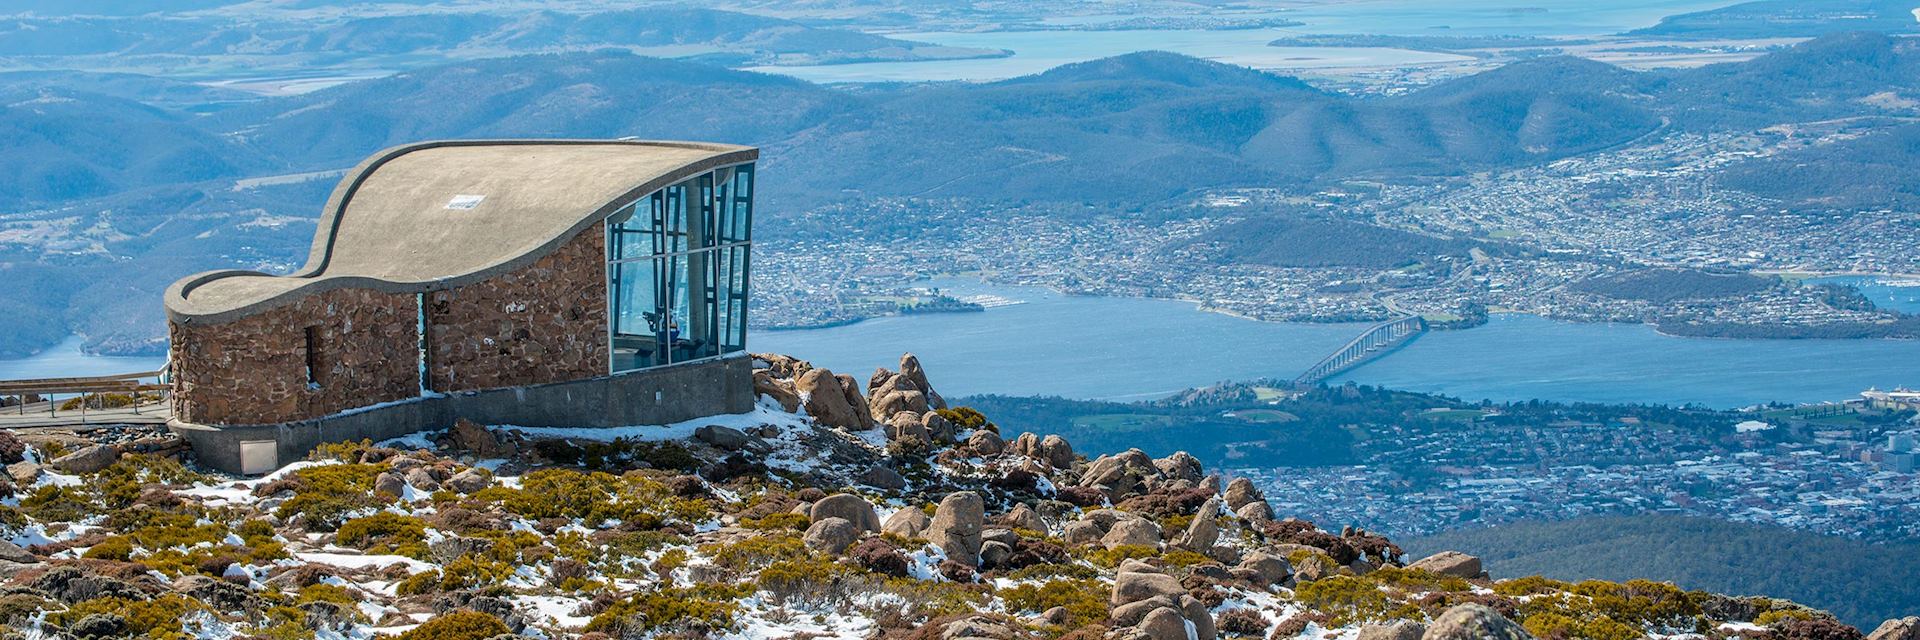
(612, 263)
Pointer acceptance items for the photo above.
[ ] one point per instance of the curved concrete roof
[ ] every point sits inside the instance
(393, 223)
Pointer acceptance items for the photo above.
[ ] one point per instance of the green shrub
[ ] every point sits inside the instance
(1084, 599)
(746, 556)
(55, 503)
(697, 611)
(385, 532)
(964, 417)
(1553, 625)
(327, 495)
(1419, 580)
(159, 617)
(113, 548)
(465, 572)
(1348, 599)
(464, 624)
(1110, 558)
(1529, 585)
(814, 583)
(783, 520)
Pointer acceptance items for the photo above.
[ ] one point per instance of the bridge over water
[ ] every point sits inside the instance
(1377, 341)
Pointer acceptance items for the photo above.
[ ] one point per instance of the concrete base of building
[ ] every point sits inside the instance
(674, 393)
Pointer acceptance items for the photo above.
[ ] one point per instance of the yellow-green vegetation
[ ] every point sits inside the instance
(458, 625)
(1084, 599)
(814, 582)
(55, 503)
(1417, 580)
(1352, 600)
(964, 417)
(746, 556)
(923, 600)
(1110, 558)
(1599, 610)
(464, 572)
(112, 548)
(783, 520)
(159, 618)
(695, 611)
(1554, 625)
(596, 498)
(1529, 585)
(325, 496)
(385, 532)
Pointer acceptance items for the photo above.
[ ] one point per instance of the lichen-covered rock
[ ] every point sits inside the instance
(1474, 622)
(884, 478)
(469, 481)
(1240, 492)
(1450, 563)
(1270, 569)
(1132, 532)
(1022, 516)
(1899, 629)
(907, 523)
(1255, 512)
(849, 507)
(88, 460)
(826, 401)
(1133, 586)
(831, 535)
(956, 526)
(986, 443)
(1395, 630)
(782, 391)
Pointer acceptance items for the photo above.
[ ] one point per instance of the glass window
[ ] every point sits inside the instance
(677, 278)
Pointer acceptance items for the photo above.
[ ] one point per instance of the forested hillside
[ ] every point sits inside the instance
(1860, 582)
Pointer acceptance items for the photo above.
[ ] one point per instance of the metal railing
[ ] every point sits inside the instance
(84, 389)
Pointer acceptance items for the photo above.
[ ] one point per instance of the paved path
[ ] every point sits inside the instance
(36, 415)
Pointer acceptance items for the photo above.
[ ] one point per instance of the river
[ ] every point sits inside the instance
(1126, 348)
(1048, 343)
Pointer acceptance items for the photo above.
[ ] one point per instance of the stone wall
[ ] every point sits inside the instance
(546, 322)
(255, 370)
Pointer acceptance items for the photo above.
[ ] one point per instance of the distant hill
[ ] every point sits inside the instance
(742, 38)
(605, 94)
(1837, 76)
(1786, 18)
(65, 145)
(1862, 583)
(1876, 170)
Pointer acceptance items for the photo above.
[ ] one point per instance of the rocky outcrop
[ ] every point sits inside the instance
(1052, 449)
(1900, 629)
(1240, 492)
(831, 535)
(1148, 605)
(907, 523)
(88, 460)
(1396, 630)
(826, 398)
(1450, 563)
(1474, 622)
(846, 506)
(1139, 532)
(956, 527)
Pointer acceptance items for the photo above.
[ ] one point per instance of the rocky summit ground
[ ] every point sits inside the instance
(838, 508)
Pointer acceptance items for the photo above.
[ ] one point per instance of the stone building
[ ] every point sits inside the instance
(526, 282)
